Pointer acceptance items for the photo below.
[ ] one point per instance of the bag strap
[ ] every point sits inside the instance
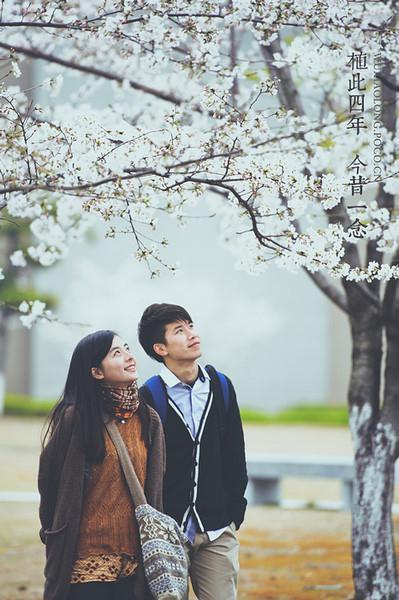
(132, 480)
(159, 398)
(212, 372)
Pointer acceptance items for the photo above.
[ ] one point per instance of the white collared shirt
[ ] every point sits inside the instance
(191, 402)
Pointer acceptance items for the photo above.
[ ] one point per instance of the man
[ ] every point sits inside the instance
(206, 475)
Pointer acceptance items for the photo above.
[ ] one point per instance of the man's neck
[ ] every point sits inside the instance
(187, 372)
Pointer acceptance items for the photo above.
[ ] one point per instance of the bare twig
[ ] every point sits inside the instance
(35, 53)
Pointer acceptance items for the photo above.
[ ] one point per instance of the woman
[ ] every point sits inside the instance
(86, 512)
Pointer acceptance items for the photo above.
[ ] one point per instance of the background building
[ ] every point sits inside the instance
(275, 334)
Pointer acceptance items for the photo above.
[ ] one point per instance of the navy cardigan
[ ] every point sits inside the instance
(206, 475)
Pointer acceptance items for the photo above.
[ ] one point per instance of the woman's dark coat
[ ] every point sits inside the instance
(61, 485)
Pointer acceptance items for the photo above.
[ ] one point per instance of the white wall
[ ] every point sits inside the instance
(268, 333)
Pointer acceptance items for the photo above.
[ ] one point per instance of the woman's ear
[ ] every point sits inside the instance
(97, 373)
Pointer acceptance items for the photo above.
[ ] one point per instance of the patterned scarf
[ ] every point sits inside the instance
(120, 403)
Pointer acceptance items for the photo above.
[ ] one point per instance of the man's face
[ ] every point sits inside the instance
(181, 342)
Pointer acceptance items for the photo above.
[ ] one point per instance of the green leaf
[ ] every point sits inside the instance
(252, 76)
(327, 143)
(288, 39)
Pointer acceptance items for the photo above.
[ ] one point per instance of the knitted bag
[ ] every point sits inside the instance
(164, 546)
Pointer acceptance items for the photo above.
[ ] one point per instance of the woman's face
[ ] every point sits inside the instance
(118, 368)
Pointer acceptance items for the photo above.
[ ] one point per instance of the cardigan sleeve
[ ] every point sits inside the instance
(47, 490)
(236, 467)
(156, 462)
(50, 465)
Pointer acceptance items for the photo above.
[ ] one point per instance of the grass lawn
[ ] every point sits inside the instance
(303, 414)
(299, 415)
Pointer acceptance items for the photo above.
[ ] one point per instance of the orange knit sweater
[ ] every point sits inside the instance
(108, 525)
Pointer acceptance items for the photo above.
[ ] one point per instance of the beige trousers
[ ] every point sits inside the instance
(213, 566)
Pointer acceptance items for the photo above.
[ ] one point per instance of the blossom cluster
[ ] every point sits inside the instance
(240, 103)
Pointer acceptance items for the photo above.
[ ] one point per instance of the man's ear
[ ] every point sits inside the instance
(160, 349)
(97, 373)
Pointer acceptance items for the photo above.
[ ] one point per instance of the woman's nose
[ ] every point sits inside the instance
(129, 356)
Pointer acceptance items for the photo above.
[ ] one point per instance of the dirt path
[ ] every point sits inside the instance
(20, 445)
(285, 555)
(298, 439)
(296, 555)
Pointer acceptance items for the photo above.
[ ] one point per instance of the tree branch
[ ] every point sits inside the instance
(388, 117)
(287, 91)
(142, 172)
(38, 54)
(392, 85)
(390, 296)
(290, 97)
(329, 289)
(328, 24)
(78, 24)
(77, 188)
(43, 25)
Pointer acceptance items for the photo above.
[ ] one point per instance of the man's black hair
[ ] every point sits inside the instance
(152, 325)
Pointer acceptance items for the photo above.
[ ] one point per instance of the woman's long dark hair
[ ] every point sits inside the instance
(82, 392)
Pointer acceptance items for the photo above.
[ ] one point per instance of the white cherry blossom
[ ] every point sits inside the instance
(163, 104)
(18, 259)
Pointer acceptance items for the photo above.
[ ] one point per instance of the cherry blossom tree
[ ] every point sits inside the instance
(282, 115)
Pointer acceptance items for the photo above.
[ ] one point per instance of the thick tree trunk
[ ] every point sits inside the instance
(373, 551)
(374, 440)
(374, 431)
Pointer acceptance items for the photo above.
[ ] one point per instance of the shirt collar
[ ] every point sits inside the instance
(171, 380)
